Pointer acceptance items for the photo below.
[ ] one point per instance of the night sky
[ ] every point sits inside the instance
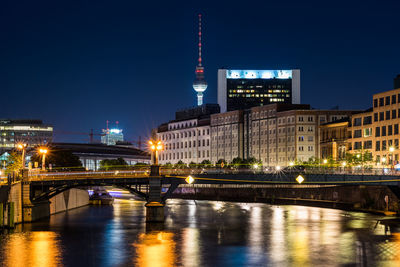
(76, 64)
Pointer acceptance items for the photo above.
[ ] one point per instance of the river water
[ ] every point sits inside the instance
(203, 233)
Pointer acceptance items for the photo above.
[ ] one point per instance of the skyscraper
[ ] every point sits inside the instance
(199, 85)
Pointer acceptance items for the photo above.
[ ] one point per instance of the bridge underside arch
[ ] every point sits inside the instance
(50, 192)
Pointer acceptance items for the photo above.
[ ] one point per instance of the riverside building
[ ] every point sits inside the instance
(187, 138)
(276, 134)
(377, 131)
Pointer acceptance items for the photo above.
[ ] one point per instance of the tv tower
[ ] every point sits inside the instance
(199, 85)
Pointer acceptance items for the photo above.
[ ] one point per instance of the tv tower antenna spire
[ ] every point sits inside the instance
(200, 85)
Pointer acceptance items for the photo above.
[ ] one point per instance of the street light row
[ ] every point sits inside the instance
(41, 150)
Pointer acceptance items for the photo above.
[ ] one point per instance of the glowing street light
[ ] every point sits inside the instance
(325, 161)
(22, 147)
(155, 146)
(189, 179)
(344, 163)
(291, 163)
(43, 151)
(278, 168)
(255, 166)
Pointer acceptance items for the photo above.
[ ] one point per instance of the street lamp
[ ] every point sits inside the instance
(43, 151)
(22, 147)
(325, 161)
(155, 146)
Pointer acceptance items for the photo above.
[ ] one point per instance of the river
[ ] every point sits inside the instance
(203, 233)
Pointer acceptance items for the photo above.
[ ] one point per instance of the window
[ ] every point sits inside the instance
(396, 129)
(381, 102)
(301, 119)
(377, 131)
(368, 144)
(357, 145)
(388, 115)
(357, 134)
(394, 114)
(390, 130)
(310, 118)
(375, 116)
(396, 143)
(301, 148)
(367, 132)
(310, 148)
(393, 99)
(381, 116)
(383, 145)
(383, 130)
(301, 129)
(378, 146)
(301, 138)
(357, 122)
(387, 102)
(367, 120)
(375, 103)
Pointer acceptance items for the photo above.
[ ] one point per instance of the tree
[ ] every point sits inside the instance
(206, 163)
(250, 162)
(14, 162)
(180, 165)
(168, 165)
(237, 162)
(192, 165)
(113, 164)
(60, 160)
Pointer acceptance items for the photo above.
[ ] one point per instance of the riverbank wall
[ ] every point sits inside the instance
(23, 210)
(364, 198)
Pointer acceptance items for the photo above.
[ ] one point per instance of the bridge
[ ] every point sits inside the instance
(156, 185)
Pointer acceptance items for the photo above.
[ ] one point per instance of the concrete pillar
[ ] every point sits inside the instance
(154, 207)
(26, 198)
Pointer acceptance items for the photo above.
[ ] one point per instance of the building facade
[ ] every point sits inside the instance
(275, 134)
(187, 138)
(110, 137)
(30, 132)
(334, 138)
(377, 131)
(244, 89)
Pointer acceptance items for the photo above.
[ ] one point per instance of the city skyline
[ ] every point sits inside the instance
(109, 62)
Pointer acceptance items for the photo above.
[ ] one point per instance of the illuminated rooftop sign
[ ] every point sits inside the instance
(116, 131)
(259, 74)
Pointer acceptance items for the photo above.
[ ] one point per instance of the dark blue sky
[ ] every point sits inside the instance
(76, 64)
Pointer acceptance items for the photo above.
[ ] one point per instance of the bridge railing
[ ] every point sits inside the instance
(87, 174)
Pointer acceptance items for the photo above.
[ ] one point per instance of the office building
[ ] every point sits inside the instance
(377, 131)
(110, 137)
(30, 132)
(244, 89)
(276, 134)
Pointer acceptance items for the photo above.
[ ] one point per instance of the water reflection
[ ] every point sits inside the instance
(205, 233)
(32, 249)
(155, 249)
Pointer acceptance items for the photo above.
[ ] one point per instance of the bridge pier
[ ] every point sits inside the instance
(154, 205)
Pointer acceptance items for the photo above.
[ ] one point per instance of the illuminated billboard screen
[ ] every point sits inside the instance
(259, 74)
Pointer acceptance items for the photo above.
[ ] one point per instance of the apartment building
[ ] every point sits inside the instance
(334, 139)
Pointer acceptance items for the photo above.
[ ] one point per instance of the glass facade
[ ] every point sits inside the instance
(30, 132)
(244, 93)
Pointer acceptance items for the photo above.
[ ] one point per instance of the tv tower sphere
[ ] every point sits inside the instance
(200, 84)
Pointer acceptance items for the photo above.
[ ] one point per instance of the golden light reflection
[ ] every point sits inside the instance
(33, 249)
(191, 247)
(155, 249)
(279, 249)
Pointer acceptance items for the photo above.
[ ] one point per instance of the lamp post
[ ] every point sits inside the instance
(22, 147)
(391, 150)
(43, 151)
(155, 146)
